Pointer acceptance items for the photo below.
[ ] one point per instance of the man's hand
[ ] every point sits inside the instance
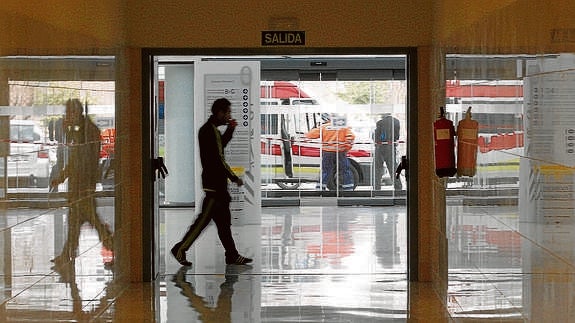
(232, 123)
(239, 182)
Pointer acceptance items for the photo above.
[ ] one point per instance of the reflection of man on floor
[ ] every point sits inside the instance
(80, 312)
(80, 165)
(222, 311)
(386, 136)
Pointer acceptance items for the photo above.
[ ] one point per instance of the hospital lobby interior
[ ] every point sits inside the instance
(494, 242)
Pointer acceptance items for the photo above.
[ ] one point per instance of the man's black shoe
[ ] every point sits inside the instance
(180, 255)
(239, 260)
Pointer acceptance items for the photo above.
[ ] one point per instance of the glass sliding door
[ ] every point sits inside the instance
(319, 122)
(319, 118)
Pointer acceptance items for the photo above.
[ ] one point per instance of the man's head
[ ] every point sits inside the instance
(73, 115)
(222, 110)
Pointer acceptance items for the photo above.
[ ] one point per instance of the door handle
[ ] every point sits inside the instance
(159, 167)
(402, 165)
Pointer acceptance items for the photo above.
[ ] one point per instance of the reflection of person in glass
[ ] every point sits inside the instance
(386, 136)
(221, 313)
(80, 166)
(336, 141)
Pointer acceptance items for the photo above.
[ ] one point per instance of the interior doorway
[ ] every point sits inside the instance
(297, 94)
(364, 94)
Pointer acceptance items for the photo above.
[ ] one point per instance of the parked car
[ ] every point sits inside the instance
(28, 164)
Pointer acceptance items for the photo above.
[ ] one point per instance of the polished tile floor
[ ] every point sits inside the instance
(312, 264)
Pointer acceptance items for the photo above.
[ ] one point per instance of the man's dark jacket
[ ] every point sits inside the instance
(216, 171)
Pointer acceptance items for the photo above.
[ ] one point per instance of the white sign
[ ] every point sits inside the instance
(238, 82)
(547, 171)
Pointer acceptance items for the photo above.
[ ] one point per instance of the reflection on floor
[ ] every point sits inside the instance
(312, 264)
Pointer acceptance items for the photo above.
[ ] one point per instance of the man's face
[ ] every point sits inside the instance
(224, 116)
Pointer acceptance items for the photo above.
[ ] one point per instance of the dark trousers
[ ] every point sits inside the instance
(330, 160)
(215, 206)
(82, 209)
(385, 154)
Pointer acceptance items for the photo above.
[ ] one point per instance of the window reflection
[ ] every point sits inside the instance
(58, 212)
(505, 222)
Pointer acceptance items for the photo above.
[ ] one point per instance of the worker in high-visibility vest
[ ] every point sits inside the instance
(336, 142)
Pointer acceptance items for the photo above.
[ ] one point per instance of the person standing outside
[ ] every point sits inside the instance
(336, 142)
(385, 138)
(215, 175)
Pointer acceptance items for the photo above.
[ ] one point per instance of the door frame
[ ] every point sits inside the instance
(149, 204)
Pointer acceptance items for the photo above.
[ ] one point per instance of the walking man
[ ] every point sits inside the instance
(215, 175)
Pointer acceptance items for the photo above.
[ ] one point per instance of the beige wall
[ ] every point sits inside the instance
(435, 27)
(49, 27)
(346, 23)
(521, 26)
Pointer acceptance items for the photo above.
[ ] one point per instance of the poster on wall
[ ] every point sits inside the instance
(548, 169)
(239, 83)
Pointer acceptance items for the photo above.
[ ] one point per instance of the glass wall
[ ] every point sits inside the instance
(57, 128)
(495, 100)
(518, 207)
(333, 126)
(309, 127)
(482, 209)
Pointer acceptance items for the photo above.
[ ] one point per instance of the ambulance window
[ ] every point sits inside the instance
(298, 124)
(312, 120)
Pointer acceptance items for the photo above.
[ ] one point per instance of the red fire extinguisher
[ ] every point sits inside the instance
(467, 145)
(443, 135)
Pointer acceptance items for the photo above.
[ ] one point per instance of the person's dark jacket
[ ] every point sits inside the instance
(216, 171)
(78, 156)
(387, 131)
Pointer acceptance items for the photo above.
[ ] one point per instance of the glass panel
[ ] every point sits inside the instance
(57, 128)
(289, 160)
(295, 157)
(513, 216)
(497, 107)
(482, 209)
(293, 101)
(161, 97)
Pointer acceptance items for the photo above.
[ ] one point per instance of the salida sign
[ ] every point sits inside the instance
(283, 38)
